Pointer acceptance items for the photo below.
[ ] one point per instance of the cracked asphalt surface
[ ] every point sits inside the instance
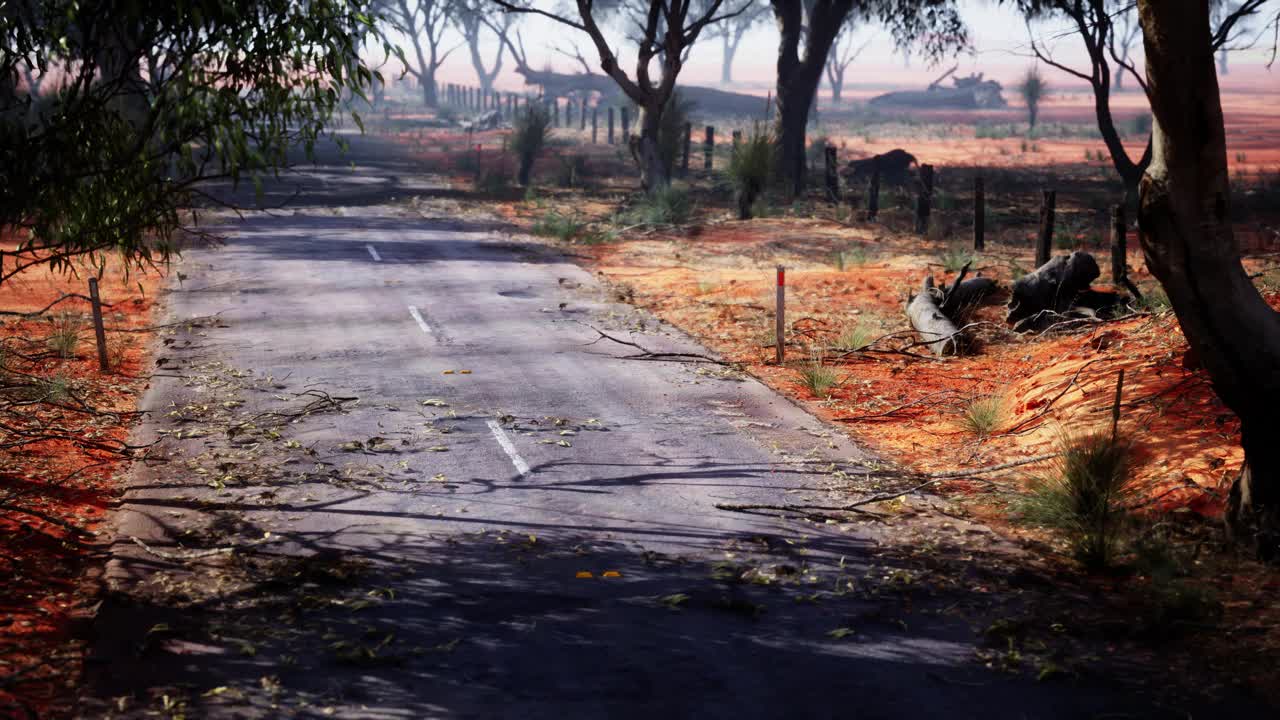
(418, 543)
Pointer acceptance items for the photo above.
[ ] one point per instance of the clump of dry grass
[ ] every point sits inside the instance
(982, 415)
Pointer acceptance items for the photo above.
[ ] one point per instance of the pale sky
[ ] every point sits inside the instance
(999, 38)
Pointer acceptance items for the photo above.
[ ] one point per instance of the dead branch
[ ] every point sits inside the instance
(913, 403)
(46, 308)
(646, 354)
(197, 554)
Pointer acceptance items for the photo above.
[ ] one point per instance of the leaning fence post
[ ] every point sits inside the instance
(923, 202)
(99, 331)
(684, 154)
(1045, 240)
(833, 180)
(708, 147)
(780, 332)
(979, 215)
(873, 190)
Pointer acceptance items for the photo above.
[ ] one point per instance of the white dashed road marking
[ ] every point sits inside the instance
(374, 253)
(521, 466)
(422, 323)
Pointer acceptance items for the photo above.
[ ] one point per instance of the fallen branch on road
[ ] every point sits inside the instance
(647, 354)
(814, 511)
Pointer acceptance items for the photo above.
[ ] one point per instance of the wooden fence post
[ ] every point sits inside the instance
(923, 201)
(979, 215)
(737, 138)
(873, 190)
(555, 110)
(780, 328)
(595, 126)
(833, 179)
(626, 125)
(768, 107)
(1045, 241)
(1119, 247)
(610, 124)
(582, 115)
(684, 154)
(99, 331)
(708, 147)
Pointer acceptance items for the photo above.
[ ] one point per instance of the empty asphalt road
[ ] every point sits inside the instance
(397, 475)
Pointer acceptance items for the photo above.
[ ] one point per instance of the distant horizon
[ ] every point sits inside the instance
(999, 42)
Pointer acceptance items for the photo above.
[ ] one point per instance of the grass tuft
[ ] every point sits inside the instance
(530, 132)
(818, 379)
(558, 225)
(854, 256)
(670, 205)
(981, 416)
(750, 166)
(65, 337)
(1087, 495)
(857, 335)
(956, 257)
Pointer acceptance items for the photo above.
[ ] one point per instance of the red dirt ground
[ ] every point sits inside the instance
(43, 589)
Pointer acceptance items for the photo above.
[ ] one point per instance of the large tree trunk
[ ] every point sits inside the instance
(726, 64)
(654, 173)
(798, 77)
(429, 97)
(1186, 236)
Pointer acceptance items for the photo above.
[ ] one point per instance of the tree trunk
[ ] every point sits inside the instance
(654, 174)
(726, 64)
(430, 97)
(1186, 235)
(797, 82)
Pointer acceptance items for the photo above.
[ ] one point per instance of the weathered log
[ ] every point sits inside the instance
(967, 294)
(927, 318)
(1052, 288)
(707, 101)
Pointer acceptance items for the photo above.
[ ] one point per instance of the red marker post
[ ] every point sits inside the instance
(780, 316)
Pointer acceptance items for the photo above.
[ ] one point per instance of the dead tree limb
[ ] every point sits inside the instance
(647, 354)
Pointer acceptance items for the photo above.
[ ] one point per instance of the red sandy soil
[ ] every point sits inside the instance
(719, 288)
(44, 591)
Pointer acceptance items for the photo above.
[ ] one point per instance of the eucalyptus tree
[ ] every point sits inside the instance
(844, 51)
(808, 29)
(151, 101)
(731, 32)
(477, 20)
(662, 36)
(424, 24)
(1187, 238)
(1100, 27)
